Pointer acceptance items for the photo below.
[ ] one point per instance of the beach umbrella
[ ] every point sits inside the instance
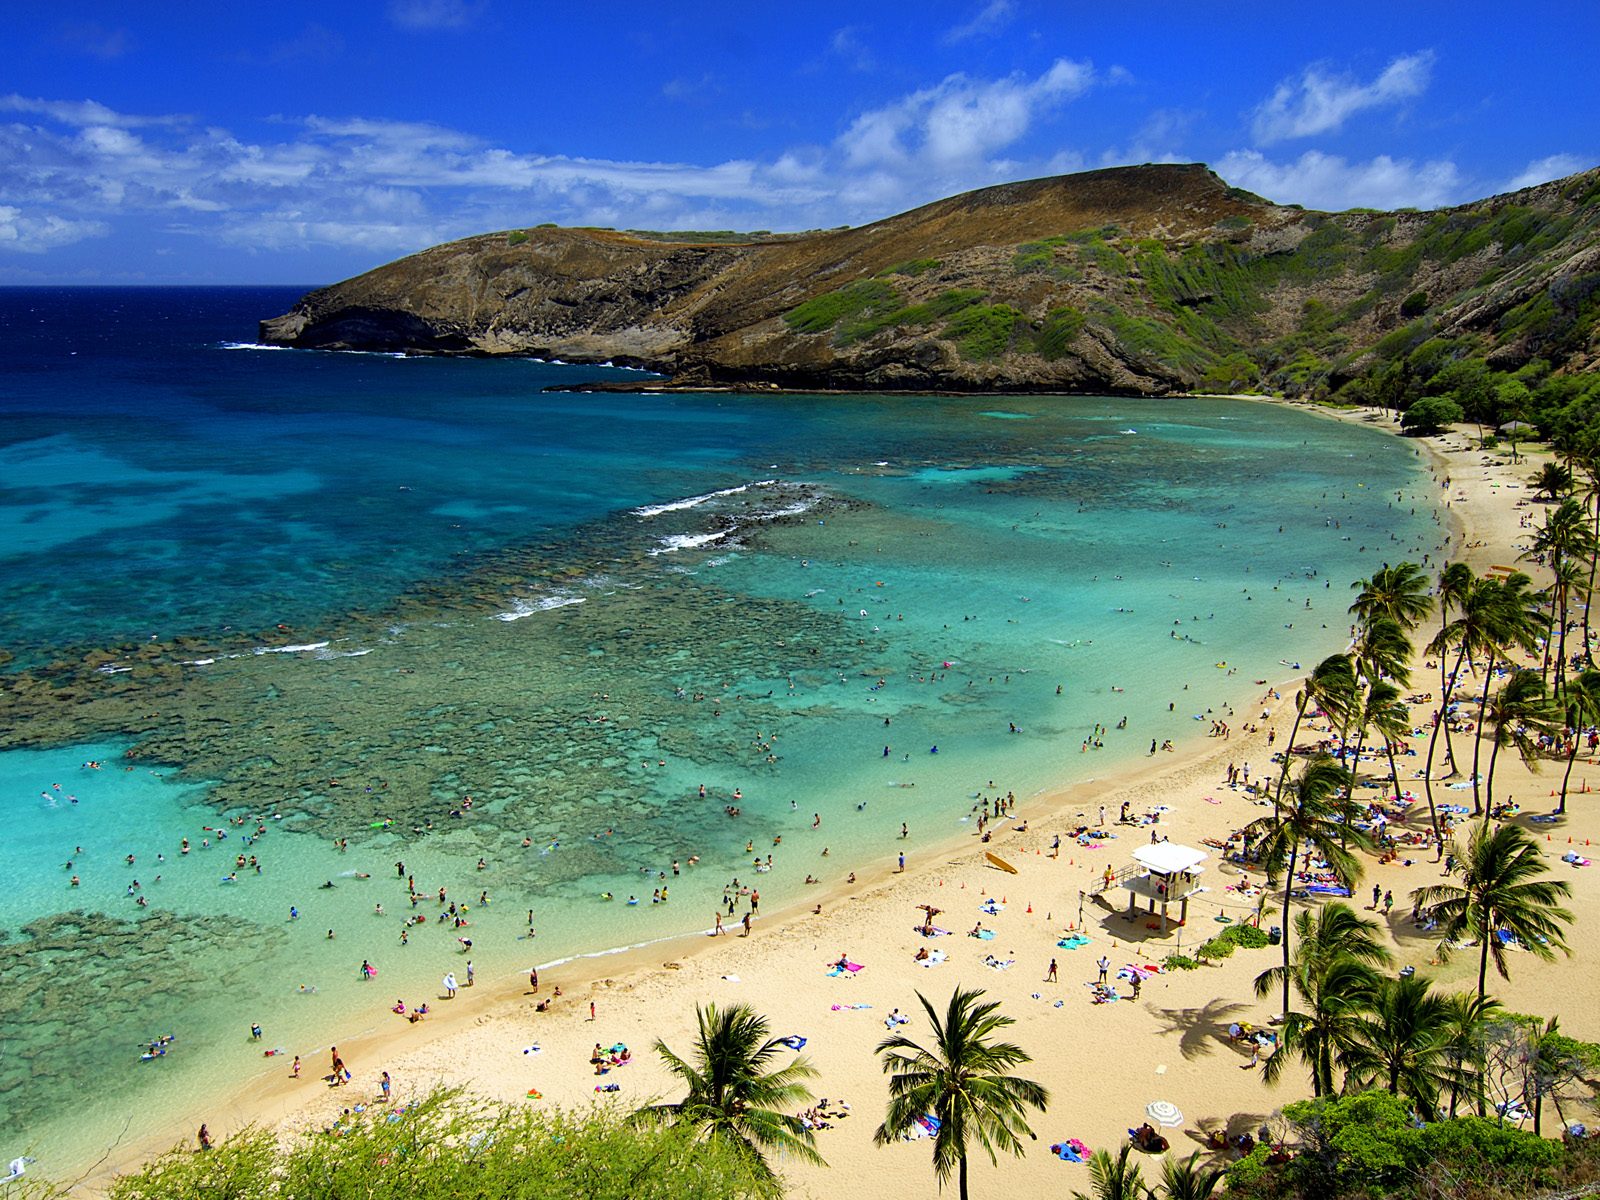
(1164, 1112)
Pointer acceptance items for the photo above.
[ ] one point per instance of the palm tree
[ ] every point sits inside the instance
(1519, 713)
(1115, 1178)
(1501, 889)
(1514, 626)
(1466, 1013)
(1552, 482)
(1471, 634)
(1455, 581)
(1390, 716)
(1330, 687)
(733, 1096)
(1333, 973)
(1399, 593)
(962, 1081)
(1188, 1180)
(1564, 543)
(1580, 701)
(1316, 815)
(1403, 1043)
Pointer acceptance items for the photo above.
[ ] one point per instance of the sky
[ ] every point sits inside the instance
(171, 142)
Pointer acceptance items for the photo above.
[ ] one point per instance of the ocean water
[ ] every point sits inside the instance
(300, 607)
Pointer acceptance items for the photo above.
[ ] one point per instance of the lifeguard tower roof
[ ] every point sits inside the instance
(1169, 858)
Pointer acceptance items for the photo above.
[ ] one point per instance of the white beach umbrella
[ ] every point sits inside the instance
(1164, 1112)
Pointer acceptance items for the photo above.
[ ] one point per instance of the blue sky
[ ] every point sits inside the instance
(168, 142)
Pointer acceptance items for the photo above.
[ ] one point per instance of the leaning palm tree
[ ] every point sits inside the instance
(1455, 581)
(733, 1096)
(1399, 593)
(1333, 974)
(1502, 890)
(1580, 703)
(1114, 1178)
(1317, 816)
(1513, 625)
(962, 1081)
(1403, 1043)
(1520, 712)
(1466, 1013)
(1390, 717)
(1329, 688)
(1188, 1179)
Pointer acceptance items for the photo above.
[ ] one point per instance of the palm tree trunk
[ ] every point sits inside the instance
(962, 1177)
(1301, 701)
(1566, 776)
(1433, 742)
(1561, 648)
(1477, 740)
(1588, 595)
(1288, 886)
(1488, 783)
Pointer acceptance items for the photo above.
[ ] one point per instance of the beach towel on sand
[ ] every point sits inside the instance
(842, 968)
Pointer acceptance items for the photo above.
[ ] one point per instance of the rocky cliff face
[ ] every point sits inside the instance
(1138, 279)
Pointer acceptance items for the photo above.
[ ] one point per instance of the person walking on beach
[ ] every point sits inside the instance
(1377, 896)
(902, 860)
(450, 985)
(1050, 975)
(533, 979)
(384, 1084)
(591, 1010)
(1105, 965)
(1102, 814)
(294, 1068)
(470, 972)
(746, 924)
(204, 1138)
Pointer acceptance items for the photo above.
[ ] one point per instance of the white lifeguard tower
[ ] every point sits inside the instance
(1163, 873)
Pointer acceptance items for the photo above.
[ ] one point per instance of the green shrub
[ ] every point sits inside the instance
(821, 313)
(1061, 328)
(445, 1147)
(516, 237)
(1250, 937)
(1430, 415)
(1414, 305)
(983, 331)
(1215, 949)
(1179, 962)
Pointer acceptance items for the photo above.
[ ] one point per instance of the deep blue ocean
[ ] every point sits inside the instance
(316, 602)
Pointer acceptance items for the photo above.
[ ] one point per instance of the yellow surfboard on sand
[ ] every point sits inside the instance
(1000, 862)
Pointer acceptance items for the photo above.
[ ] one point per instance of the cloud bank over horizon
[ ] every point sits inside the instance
(356, 187)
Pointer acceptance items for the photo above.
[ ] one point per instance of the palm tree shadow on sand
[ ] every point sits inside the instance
(1200, 1030)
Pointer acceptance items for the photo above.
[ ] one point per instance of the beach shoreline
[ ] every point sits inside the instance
(649, 991)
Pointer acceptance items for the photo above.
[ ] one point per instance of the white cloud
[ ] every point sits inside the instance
(35, 235)
(987, 21)
(961, 120)
(81, 112)
(390, 187)
(434, 14)
(1543, 170)
(1319, 101)
(1332, 183)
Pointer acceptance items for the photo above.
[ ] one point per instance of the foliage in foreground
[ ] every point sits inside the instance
(451, 1148)
(1368, 1143)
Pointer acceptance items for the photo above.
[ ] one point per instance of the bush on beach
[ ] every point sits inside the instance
(449, 1146)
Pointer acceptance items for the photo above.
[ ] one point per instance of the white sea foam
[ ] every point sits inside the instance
(290, 649)
(688, 541)
(526, 608)
(250, 346)
(655, 510)
(112, 669)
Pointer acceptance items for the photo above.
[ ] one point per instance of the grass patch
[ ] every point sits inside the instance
(983, 332)
(1060, 329)
(516, 237)
(821, 313)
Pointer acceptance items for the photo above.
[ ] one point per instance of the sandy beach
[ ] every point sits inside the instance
(1102, 1063)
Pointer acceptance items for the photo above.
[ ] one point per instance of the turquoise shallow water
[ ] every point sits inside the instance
(335, 596)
